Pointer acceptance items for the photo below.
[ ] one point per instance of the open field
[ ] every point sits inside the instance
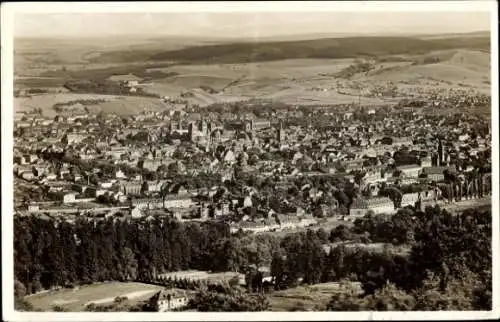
(76, 299)
(121, 105)
(294, 72)
(305, 298)
(313, 81)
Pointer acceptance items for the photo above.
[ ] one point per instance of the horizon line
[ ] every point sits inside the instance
(333, 35)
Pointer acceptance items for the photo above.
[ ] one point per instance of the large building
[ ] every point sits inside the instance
(379, 205)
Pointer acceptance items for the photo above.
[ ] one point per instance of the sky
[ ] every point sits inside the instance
(245, 24)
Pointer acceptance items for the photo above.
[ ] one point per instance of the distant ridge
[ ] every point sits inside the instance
(342, 47)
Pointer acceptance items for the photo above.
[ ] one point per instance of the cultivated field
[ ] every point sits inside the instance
(121, 105)
(105, 293)
(302, 72)
(314, 81)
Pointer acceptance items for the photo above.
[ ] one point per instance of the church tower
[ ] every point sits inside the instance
(191, 131)
(281, 133)
(440, 154)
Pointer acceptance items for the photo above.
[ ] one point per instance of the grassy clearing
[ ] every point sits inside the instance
(76, 299)
(304, 298)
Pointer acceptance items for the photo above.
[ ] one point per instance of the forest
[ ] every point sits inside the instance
(449, 257)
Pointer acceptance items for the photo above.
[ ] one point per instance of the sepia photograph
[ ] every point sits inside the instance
(291, 160)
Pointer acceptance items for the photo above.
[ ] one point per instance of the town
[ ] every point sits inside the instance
(333, 171)
(281, 169)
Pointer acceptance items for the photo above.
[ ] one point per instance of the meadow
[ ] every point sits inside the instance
(100, 293)
(306, 298)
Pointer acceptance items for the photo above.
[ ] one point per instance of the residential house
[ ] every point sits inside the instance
(409, 199)
(73, 138)
(410, 170)
(153, 186)
(137, 212)
(437, 173)
(131, 188)
(169, 300)
(69, 197)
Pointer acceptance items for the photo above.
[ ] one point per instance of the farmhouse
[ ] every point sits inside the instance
(126, 80)
(168, 300)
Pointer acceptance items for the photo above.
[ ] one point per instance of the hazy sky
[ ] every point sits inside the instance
(246, 24)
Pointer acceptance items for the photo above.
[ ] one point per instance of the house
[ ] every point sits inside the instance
(287, 221)
(247, 202)
(426, 162)
(402, 141)
(69, 198)
(31, 158)
(269, 224)
(27, 175)
(409, 199)
(229, 157)
(178, 201)
(33, 207)
(73, 138)
(168, 300)
(379, 205)
(260, 124)
(126, 80)
(120, 175)
(149, 203)
(153, 186)
(131, 187)
(410, 170)
(437, 173)
(307, 221)
(151, 164)
(137, 212)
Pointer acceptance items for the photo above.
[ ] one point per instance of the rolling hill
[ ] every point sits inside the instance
(346, 47)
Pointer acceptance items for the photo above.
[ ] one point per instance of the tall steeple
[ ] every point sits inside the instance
(281, 133)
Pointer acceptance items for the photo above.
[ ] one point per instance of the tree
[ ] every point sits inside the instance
(59, 308)
(19, 289)
(465, 293)
(278, 269)
(341, 232)
(389, 298)
(129, 264)
(235, 301)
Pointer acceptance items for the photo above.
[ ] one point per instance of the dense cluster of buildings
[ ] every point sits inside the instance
(281, 169)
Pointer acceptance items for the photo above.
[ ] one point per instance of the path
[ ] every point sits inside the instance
(129, 296)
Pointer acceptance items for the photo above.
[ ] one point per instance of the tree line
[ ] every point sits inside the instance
(48, 254)
(446, 250)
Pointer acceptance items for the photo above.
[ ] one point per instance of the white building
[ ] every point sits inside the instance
(69, 198)
(379, 205)
(411, 170)
(168, 300)
(409, 199)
